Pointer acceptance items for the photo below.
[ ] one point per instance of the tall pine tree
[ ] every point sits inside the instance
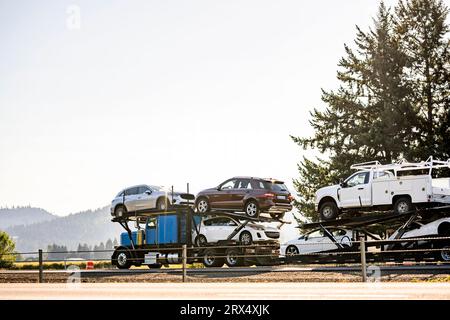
(376, 113)
(423, 31)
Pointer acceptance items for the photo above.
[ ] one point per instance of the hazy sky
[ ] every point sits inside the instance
(159, 92)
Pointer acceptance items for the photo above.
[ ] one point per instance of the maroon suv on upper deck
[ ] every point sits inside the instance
(248, 194)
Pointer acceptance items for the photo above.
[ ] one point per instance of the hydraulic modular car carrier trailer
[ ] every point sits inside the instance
(419, 235)
(160, 235)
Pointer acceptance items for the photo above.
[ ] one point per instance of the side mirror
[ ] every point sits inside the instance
(342, 183)
(219, 188)
(148, 192)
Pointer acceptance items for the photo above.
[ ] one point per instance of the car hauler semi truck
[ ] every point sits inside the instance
(158, 237)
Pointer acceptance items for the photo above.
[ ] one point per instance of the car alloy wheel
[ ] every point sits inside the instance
(251, 209)
(201, 240)
(291, 251)
(120, 211)
(162, 204)
(246, 238)
(202, 206)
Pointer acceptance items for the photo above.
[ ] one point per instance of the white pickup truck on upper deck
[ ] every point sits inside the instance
(400, 187)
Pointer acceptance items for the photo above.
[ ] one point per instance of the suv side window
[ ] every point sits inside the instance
(143, 189)
(257, 184)
(244, 184)
(230, 184)
(132, 191)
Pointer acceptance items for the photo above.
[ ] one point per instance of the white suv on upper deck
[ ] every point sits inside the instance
(147, 197)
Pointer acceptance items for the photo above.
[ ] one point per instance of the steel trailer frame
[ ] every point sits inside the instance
(360, 224)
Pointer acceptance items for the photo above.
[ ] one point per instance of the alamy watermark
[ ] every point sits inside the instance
(74, 278)
(73, 18)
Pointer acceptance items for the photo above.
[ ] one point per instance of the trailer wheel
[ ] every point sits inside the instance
(444, 254)
(403, 205)
(211, 260)
(251, 209)
(234, 258)
(328, 211)
(123, 259)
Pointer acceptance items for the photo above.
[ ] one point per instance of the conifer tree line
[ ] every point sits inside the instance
(392, 101)
(84, 251)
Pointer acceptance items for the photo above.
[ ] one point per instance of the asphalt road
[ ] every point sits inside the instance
(225, 291)
(288, 268)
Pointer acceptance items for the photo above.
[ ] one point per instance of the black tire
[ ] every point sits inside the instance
(200, 240)
(210, 259)
(120, 211)
(444, 254)
(155, 266)
(403, 205)
(251, 209)
(202, 205)
(162, 204)
(234, 258)
(246, 238)
(292, 253)
(328, 211)
(123, 259)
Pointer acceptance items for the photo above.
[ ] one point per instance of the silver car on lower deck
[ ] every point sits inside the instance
(144, 197)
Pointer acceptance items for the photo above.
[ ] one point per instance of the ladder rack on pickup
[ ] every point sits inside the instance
(402, 165)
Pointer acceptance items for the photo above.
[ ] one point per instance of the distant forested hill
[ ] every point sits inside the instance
(22, 216)
(88, 227)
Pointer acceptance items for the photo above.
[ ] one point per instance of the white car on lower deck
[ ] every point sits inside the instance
(218, 228)
(316, 241)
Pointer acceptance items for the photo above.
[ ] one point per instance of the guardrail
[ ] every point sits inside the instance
(397, 249)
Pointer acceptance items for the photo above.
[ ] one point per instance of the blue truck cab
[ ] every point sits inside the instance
(161, 230)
